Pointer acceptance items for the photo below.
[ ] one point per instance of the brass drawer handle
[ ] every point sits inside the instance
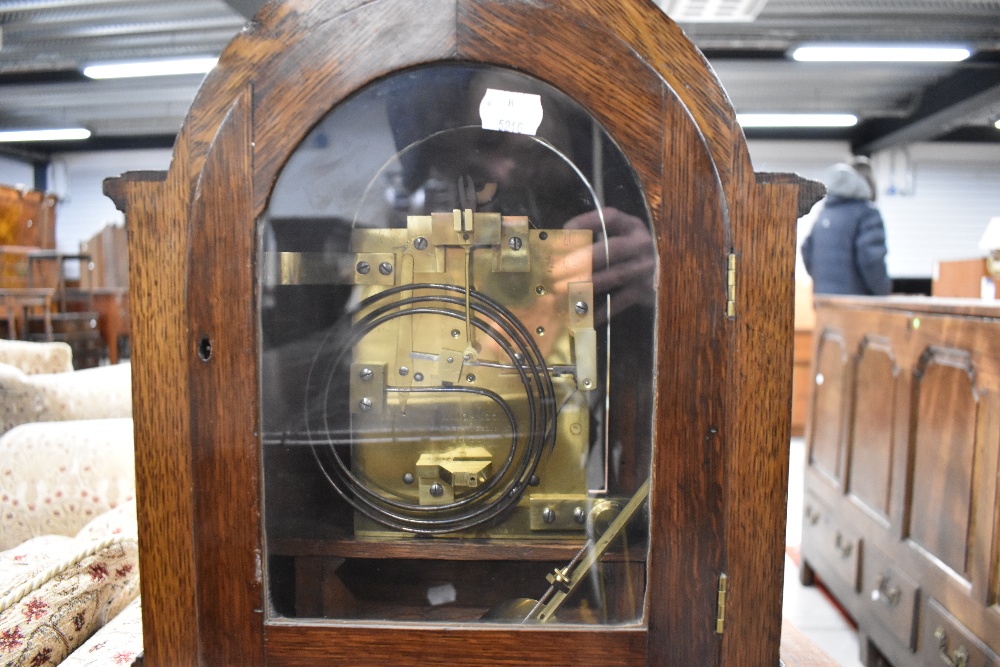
(845, 547)
(958, 658)
(890, 595)
(812, 516)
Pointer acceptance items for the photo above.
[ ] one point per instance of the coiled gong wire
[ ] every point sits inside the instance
(494, 499)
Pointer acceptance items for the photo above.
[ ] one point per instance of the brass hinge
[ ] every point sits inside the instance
(720, 616)
(731, 286)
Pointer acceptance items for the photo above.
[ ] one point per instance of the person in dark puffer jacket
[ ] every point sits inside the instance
(845, 251)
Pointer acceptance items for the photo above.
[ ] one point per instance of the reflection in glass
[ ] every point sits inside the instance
(457, 353)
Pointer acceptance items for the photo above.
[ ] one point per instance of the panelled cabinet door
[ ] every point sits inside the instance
(477, 343)
(873, 425)
(943, 453)
(827, 423)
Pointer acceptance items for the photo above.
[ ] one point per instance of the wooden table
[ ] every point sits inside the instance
(18, 301)
(60, 259)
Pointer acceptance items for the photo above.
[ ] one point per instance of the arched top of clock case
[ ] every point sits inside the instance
(301, 57)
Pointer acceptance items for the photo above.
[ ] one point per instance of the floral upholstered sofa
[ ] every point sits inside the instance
(69, 569)
(38, 384)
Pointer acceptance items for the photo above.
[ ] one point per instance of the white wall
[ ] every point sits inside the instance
(15, 173)
(77, 178)
(944, 198)
(935, 198)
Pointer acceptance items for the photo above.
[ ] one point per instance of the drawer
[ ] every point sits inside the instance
(815, 525)
(826, 538)
(945, 641)
(845, 554)
(814, 516)
(891, 596)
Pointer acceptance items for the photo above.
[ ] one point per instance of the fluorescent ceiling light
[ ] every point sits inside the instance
(997, 124)
(68, 134)
(150, 68)
(712, 11)
(876, 53)
(796, 119)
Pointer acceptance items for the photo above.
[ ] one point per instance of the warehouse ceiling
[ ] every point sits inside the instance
(44, 45)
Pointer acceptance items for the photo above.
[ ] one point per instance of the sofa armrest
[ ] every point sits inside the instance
(57, 591)
(57, 476)
(117, 643)
(93, 393)
(34, 358)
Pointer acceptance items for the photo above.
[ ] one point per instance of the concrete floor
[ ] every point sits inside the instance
(806, 606)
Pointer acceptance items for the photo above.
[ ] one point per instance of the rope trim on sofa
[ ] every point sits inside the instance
(39, 580)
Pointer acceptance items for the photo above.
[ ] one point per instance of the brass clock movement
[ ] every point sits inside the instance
(461, 335)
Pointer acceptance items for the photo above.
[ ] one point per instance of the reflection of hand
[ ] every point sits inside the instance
(624, 263)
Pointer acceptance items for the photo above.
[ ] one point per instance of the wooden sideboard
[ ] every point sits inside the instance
(901, 514)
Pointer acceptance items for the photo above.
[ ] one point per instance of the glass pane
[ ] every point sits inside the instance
(457, 355)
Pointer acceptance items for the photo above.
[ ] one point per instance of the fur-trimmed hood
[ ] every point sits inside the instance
(842, 180)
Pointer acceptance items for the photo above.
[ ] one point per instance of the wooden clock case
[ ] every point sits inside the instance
(724, 237)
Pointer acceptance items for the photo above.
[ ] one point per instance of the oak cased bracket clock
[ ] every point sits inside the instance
(462, 335)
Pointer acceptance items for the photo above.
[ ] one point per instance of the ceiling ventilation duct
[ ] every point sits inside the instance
(712, 11)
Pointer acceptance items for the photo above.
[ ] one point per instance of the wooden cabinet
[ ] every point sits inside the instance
(27, 218)
(960, 278)
(801, 380)
(901, 513)
(805, 320)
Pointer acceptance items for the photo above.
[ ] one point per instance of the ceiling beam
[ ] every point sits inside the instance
(944, 106)
(247, 8)
(23, 155)
(42, 152)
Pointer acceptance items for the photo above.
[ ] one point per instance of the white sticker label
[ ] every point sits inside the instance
(510, 112)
